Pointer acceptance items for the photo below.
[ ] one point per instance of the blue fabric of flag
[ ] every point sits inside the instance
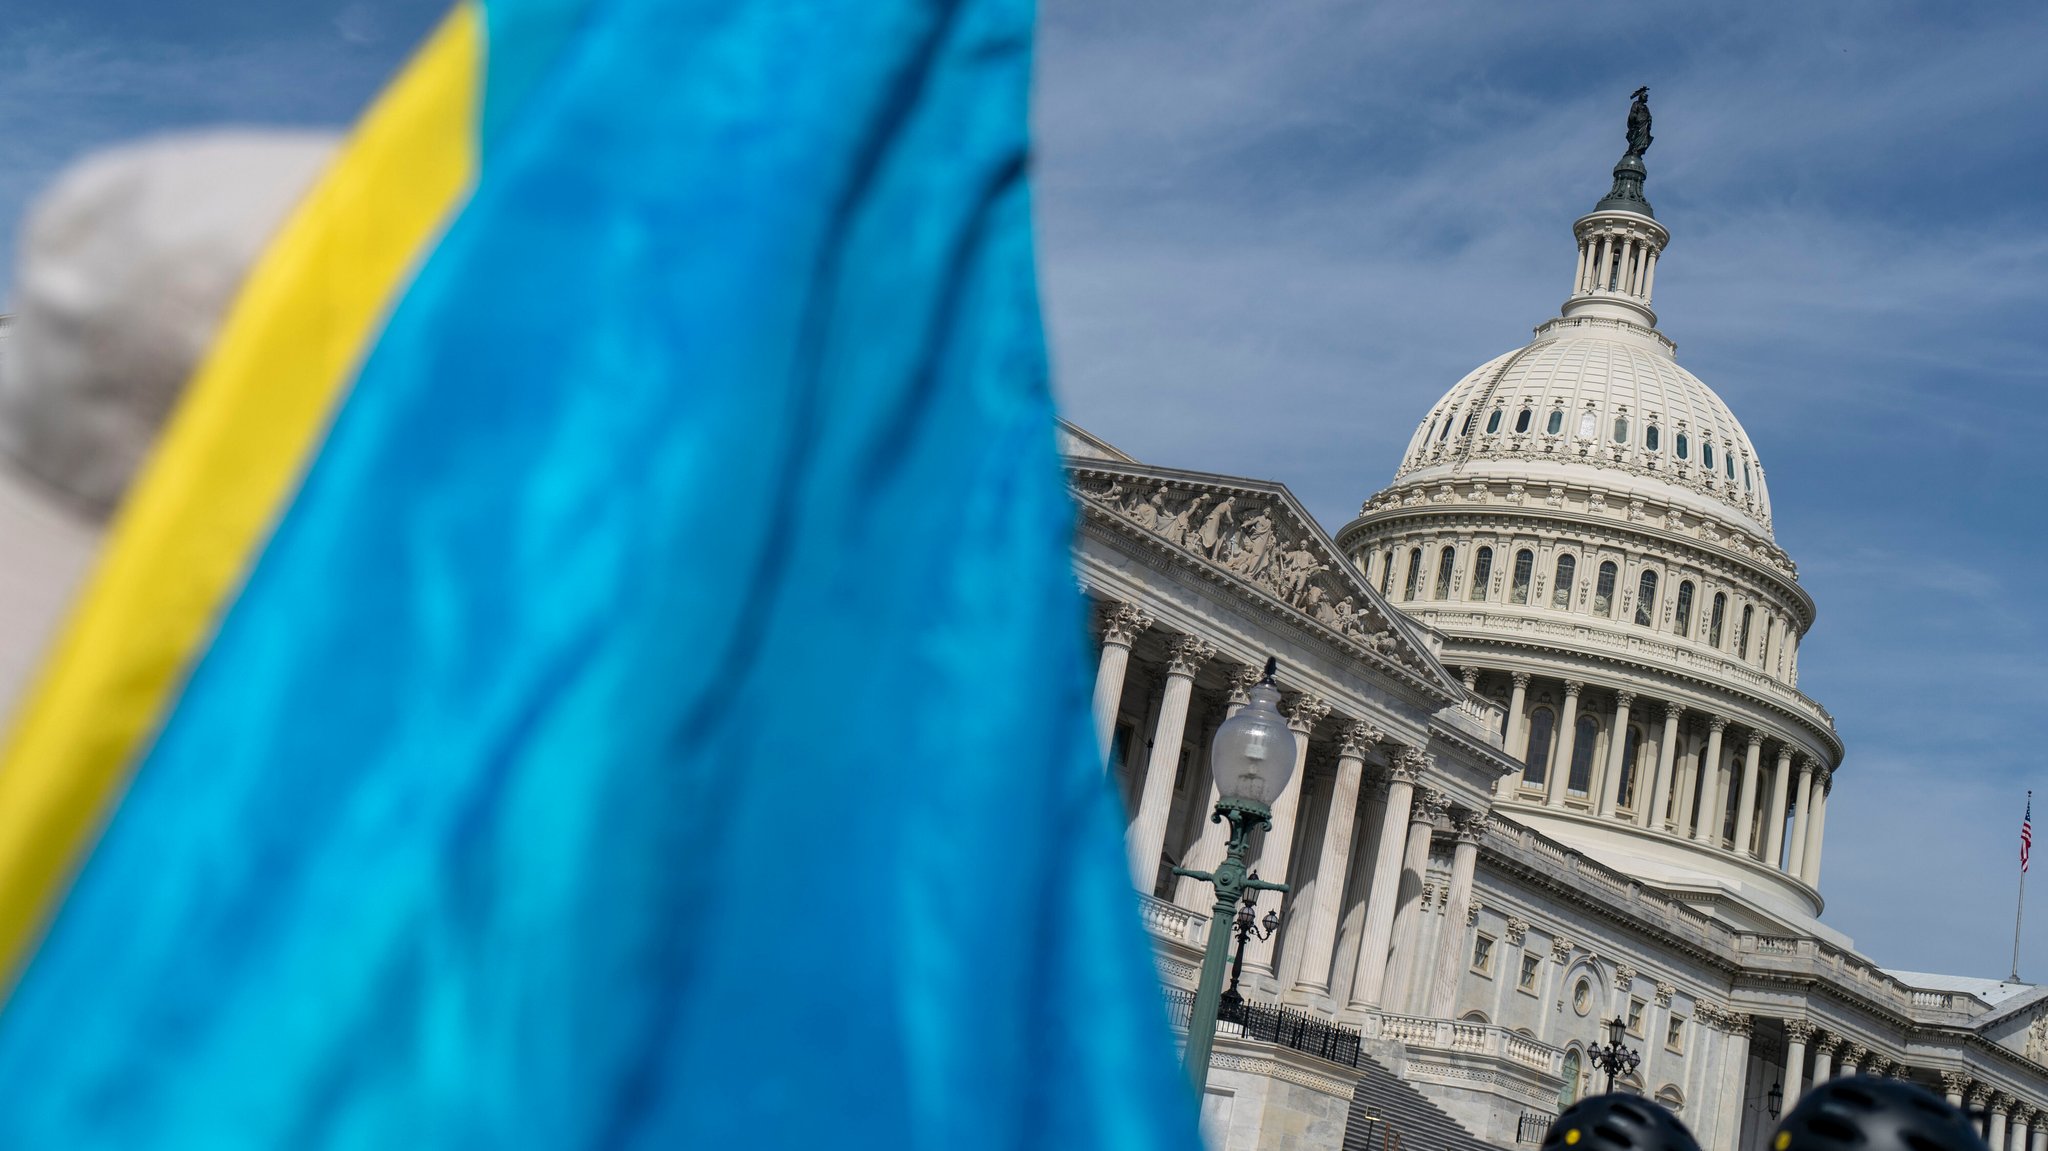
(660, 719)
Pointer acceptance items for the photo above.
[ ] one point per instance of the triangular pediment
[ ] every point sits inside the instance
(1254, 535)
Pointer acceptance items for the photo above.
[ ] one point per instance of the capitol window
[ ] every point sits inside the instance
(1387, 572)
(1482, 955)
(1582, 996)
(1556, 424)
(1493, 422)
(1707, 456)
(1714, 621)
(1522, 421)
(1728, 459)
(1465, 429)
(1430, 434)
(1525, 565)
(1674, 1034)
(1446, 433)
(1684, 608)
(1650, 438)
(1414, 573)
(1631, 748)
(1745, 477)
(1536, 764)
(1742, 633)
(1621, 429)
(1561, 591)
(1683, 447)
(1482, 571)
(1586, 422)
(1530, 966)
(1603, 590)
(1444, 568)
(1646, 599)
(1635, 1017)
(1581, 778)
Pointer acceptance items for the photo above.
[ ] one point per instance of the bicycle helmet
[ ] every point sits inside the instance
(1864, 1113)
(1618, 1121)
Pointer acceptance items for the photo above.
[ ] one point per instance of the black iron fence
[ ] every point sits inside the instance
(1280, 1025)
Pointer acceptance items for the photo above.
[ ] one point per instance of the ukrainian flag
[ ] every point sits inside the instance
(594, 660)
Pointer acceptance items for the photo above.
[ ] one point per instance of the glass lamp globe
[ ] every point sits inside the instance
(1252, 756)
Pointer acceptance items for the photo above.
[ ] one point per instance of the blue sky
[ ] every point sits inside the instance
(1273, 234)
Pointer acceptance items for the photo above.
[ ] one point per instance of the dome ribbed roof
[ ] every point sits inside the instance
(1626, 417)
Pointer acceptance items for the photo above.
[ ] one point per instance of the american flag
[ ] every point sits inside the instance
(2027, 833)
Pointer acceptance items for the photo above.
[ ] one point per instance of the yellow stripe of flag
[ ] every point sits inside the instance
(227, 465)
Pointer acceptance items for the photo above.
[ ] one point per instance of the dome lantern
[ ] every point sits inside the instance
(1620, 240)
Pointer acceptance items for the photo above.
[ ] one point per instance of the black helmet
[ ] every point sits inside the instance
(1863, 1113)
(1618, 1122)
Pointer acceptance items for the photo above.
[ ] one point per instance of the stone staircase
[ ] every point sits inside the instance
(1388, 1115)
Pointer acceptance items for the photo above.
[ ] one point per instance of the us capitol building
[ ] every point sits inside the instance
(1555, 763)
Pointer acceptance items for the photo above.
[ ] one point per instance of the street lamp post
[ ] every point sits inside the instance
(1248, 928)
(1251, 757)
(1614, 1058)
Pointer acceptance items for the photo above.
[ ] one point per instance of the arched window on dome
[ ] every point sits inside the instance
(1763, 653)
(1621, 429)
(1522, 420)
(1430, 434)
(1556, 423)
(1465, 429)
(1650, 438)
(1482, 572)
(1646, 599)
(1631, 748)
(1561, 587)
(1742, 633)
(1536, 762)
(1446, 433)
(1714, 620)
(1493, 422)
(1445, 566)
(1728, 460)
(1603, 590)
(1684, 447)
(1525, 566)
(1387, 571)
(1684, 624)
(1746, 485)
(1586, 425)
(1581, 777)
(1707, 456)
(1414, 574)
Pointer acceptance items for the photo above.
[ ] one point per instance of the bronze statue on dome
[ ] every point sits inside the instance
(1639, 122)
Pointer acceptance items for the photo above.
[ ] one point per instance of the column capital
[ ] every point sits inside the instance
(1734, 1022)
(1572, 688)
(1517, 931)
(2001, 1103)
(2024, 1112)
(1669, 711)
(1430, 805)
(1717, 723)
(1472, 826)
(1784, 755)
(1980, 1094)
(1306, 710)
(1856, 1054)
(1799, 1030)
(1185, 654)
(1826, 1043)
(1879, 1065)
(1122, 622)
(1755, 739)
(1355, 738)
(1520, 679)
(1955, 1083)
(1824, 778)
(1470, 676)
(1242, 679)
(1808, 764)
(1624, 977)
(1561, 948)
(1409, 765)
(1624, 698)
(1664, 993)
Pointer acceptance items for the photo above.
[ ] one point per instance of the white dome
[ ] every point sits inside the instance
(1598, 402)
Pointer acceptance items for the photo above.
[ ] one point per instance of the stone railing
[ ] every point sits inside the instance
(1465, 1038)
(1173, 923)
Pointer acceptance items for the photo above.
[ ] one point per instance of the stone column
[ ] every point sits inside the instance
(1185, 655)
(2001, 1107)
(1579, 277)
(1333, 862)
(1824, 1046)
(1121, 625)
(2022, 1125)
(1774, 830)
(1852, 1060)
(1370, 976)
(1408, 914)
(1687, 784)
(1802, 793)
(1512, 742)
(1276, 851)
(1214, 840)
(1745, 802)
(1600, 265)
(1453, 954)
(1617, 743)
(1708, 829)
(1734, 1079)
(1954, 1084)
(1980, 1101)
(1650, 277)
(1559, 778)
(2038, 1136)
(1667, 750)
(1823, 781)
(1797, 1032)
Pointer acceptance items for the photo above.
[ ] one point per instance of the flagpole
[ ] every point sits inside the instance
(2021, 907)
